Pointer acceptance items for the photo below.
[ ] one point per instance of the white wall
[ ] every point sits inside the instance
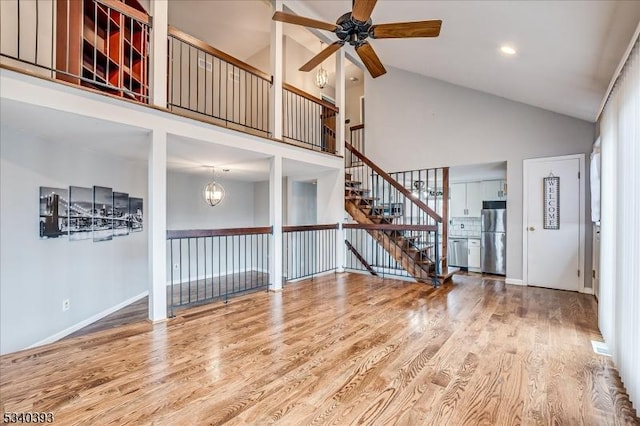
(352, 103)
(186, 208)
(37, 275)
(416, 122)
(302, 209)
(261, 203)
(295, 55)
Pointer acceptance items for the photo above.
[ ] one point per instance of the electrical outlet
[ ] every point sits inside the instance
(65, 305)
(176, 266)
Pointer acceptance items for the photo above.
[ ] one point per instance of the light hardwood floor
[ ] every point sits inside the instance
(340, 349)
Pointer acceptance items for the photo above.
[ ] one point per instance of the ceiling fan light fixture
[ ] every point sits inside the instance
(508, 50)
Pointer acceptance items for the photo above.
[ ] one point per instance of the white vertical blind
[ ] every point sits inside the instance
(619, 307)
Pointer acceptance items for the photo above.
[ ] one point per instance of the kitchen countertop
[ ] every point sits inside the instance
(469, 237)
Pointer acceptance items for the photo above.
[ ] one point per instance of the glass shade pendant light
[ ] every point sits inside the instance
(322, 78)
(213, 192)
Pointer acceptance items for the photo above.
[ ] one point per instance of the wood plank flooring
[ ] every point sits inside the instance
(340, 349)
(182, 294)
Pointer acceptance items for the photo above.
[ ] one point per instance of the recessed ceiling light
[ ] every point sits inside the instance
(508, 50)
(353, 78)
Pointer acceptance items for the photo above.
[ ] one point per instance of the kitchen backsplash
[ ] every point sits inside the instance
(465, 227)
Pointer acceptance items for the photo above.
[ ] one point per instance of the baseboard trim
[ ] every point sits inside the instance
(308, 277)
(88, 321)
(514, 281)
(587, 290)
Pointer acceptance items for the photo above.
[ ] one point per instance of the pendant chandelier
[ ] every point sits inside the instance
(322, 78)
(213, 192)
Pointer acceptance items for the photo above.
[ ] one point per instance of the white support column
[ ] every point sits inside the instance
(275, 218)
(159, 52)
(330, 205)
(337, 196)
(277, 70)
(341, 62)
(157, 208)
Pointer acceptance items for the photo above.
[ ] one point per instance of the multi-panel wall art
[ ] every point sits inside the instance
(54, 212)
(135, 214)
(120, 214)
(102, 213)
(80, 213)
(96, 213)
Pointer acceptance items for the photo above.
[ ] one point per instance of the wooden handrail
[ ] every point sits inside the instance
(309, 96)
(196, 233)
(390, 227)
(199, 44)
(298, 228)
(404, 191)
(126, 10)
(356, 127)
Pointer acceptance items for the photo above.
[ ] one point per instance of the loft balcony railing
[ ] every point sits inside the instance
(308, 250)
(216, 264)
(105, 45)
(100, 44)
(208, 82)
(308, 120)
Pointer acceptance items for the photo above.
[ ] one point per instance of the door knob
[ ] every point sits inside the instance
(531, 228)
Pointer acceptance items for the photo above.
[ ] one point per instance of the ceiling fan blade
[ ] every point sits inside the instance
(324, 54)
(301, 20)
(362, 10)
(406, 29)
(370, 60)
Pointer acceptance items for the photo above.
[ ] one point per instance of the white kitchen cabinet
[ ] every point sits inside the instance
(474, 254)
(494, 190)
(466, 199)
(474, 199)
(458, 205)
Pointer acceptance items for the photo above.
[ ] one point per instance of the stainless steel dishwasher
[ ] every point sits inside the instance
(458, 253)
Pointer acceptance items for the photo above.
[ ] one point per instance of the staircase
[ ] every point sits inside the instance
(401, 224)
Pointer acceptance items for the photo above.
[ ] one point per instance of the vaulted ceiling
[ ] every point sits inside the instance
(567, 51)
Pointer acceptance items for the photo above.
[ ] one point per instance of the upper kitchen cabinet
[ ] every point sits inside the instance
(494, 190)
(466, 199)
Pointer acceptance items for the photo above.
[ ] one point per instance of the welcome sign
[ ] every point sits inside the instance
(551, 214)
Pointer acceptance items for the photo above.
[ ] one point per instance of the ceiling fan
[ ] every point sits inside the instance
(355, 27)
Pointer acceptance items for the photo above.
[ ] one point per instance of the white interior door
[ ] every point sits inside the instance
(553, 257)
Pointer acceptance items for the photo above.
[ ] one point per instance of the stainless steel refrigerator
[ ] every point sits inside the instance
(493, 249)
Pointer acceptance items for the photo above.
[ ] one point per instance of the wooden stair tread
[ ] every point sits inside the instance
(360, 197)
(349, 191)
(410, 238)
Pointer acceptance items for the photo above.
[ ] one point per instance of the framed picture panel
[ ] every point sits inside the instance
(54, 212)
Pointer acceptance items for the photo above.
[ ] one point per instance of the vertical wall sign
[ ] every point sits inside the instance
(551, 214)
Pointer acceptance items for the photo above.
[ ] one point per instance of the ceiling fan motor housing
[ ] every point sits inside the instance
(352, 31)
